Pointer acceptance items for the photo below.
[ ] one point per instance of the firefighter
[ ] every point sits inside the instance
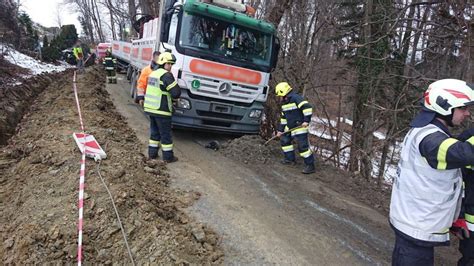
(110, 64)
(426, 194)
(143, 79)
(463, 228)
(79, 55)
(295, 117)
(159, 92)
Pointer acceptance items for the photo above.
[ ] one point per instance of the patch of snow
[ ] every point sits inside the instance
(379, 135)
(35, 66)
(320, 127)
(345, 120)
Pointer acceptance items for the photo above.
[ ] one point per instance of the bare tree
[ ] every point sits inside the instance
(57, 15)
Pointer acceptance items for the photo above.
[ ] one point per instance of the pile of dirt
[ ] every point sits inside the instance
(39, 174)
(16, 100)
(252, 151)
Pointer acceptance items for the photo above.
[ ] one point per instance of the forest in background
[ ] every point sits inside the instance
(368, 61)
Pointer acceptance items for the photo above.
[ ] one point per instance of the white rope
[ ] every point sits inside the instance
(117, 214)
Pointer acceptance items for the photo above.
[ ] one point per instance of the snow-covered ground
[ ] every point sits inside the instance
(320, 128)
(34, 66)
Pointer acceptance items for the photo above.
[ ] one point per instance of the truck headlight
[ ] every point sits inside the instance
(183, 103)
(255, 113)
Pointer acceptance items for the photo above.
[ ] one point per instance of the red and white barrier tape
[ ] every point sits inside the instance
(82, 180)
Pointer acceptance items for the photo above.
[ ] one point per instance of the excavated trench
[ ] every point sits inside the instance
(39, 171)
(15, 101)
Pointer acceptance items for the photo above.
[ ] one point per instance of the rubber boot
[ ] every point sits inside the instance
(308, 169)
(288, 162)
(172, 160)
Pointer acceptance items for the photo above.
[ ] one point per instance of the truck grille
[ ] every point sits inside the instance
(214, 88)
(219, 115)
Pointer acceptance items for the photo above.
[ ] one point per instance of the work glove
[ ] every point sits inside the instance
(459, 229)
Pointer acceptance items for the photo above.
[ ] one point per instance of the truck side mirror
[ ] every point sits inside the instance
(275, 51)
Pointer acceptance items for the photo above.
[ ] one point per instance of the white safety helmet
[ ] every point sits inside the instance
(441, 98)
(445, 94)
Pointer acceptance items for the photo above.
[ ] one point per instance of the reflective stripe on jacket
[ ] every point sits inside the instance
(160, 90)
(77, 51)
(294, 111)
(425, 200)
(109, 62)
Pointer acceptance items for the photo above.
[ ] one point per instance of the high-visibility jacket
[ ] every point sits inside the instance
(77, 51)
(109, 62)
(425, 200)
(294, 111)
(161, 88)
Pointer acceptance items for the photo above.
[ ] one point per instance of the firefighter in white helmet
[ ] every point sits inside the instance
(426, 194)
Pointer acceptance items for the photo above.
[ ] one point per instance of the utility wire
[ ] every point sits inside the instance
(117, 214)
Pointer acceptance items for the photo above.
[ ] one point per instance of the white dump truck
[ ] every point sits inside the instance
(224, 60)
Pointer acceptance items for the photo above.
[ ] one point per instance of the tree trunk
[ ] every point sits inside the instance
(132, 11)
(112, 22)
(99, 21)
(278, 10)
(145, 7)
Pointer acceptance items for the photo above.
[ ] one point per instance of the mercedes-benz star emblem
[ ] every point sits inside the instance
(225, 88)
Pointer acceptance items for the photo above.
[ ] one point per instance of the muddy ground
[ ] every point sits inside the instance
(251, 150)
(39, 176)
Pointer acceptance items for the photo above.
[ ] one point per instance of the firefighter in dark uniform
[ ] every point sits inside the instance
(110, 64)
(464, 226)
(161, 89)
(296, 114)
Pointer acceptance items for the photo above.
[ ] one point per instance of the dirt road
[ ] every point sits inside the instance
(262, 212)
(267, 213)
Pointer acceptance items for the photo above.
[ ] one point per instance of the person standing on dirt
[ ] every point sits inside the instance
(161, 89)
(110, 64)
(79, 55)
(295, 117)
(426, 194)
(142, 81)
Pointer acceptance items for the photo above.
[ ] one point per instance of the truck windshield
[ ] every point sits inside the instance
(225, 42)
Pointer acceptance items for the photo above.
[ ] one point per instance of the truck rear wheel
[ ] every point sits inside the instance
(129, 72)
(133, 86)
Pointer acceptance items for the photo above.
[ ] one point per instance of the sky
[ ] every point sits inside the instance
(45, 13)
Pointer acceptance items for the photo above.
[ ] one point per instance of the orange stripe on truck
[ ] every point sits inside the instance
(116, 47)
(146, 53)
(135, 52)
(126, 49)
(224, 71)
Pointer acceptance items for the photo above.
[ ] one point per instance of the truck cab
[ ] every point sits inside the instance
(224, 61)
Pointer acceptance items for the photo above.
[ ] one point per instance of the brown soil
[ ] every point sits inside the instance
(39, 171)
(16, 99)
(9, 73)
(251, 150)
